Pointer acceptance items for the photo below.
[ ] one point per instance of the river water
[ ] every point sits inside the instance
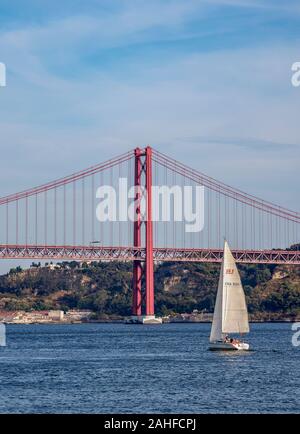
(116, 368)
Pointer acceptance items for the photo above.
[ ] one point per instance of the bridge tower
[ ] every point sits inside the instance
(143, 302)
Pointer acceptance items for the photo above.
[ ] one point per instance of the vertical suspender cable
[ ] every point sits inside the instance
(83, 212)
(64, 217)
(7, 223)
(74, 213)
(26, 220)
(93, 209)
(36, 219)
(17, 221)
(45, 216)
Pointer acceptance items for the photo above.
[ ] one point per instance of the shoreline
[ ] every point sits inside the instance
(123, 322)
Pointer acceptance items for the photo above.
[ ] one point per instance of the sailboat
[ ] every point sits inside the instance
(230, 314)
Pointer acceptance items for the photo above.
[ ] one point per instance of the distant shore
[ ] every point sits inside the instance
(76, 316)
(122, 321)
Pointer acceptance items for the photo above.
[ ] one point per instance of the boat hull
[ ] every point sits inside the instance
(228, 346)
(144, 319)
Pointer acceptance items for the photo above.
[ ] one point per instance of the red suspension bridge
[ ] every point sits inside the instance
(57, 221)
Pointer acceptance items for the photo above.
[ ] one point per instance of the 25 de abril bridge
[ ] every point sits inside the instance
(59, 220)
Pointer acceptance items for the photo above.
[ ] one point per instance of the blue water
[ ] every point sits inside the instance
(111, 368)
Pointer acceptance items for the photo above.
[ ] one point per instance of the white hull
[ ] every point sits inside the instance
(228, 346)
(151, 319)
(144, 319)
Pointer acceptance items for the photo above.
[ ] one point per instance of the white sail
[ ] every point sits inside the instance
(230, 314)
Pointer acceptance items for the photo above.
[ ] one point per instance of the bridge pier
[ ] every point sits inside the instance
(149, 237)
(143, 168)
(137, 265)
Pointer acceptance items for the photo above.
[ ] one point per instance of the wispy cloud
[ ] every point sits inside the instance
(254, 144)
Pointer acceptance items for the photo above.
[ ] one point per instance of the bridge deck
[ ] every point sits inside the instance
(96, 253)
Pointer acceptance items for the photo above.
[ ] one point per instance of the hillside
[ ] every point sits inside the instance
(273, 292)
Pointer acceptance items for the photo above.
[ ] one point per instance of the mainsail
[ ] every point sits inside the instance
(230, 314)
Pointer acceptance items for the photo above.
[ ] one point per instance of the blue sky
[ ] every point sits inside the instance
(207, 82)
